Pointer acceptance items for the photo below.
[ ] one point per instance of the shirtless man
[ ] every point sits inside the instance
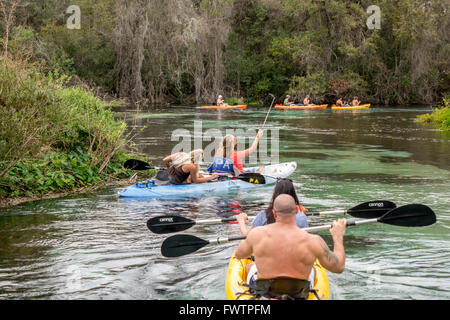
(282, 249)
(307, 101)
(356, 102)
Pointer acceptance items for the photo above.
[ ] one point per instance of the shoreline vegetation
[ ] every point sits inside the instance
(440, 117)
(56, 139)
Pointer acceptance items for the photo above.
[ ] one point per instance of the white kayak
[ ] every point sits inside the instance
(148, 189)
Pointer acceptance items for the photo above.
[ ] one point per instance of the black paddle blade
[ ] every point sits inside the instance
(255, 178)
(411, 215)
(372, 209)
(134, 164)
(169, 224)
(181, 244)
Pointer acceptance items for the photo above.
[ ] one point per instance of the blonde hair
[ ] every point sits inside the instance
(181, 159)
(196, 156)
(227, 145)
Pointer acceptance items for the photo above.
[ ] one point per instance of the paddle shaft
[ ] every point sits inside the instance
(251, 218)
(310, 229)
(267, 116)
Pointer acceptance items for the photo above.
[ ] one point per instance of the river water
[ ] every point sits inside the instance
(97, 246)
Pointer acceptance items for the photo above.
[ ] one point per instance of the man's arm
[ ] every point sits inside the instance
(244, 250)
(333, 261)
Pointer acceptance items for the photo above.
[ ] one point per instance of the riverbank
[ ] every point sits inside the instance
(440, 117)
(11, 202)
(56, 139)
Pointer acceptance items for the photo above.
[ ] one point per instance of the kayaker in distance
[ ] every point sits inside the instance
(281, 249)
(229, 142)
(183, 168)
(307, 101)
(287, 101)
(355, 102)
(339, 102)
(283, 186)
(221, 102)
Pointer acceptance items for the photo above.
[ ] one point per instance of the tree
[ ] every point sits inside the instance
(8, 10)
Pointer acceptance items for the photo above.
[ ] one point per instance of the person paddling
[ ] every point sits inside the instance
(221, 102)
(339, 102)
(283, 186)
(281, 249)
(355, 102)
(183, 168)
(306, 101)
(287, 102)
(228, 160)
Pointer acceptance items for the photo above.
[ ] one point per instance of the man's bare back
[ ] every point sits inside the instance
(282, 249)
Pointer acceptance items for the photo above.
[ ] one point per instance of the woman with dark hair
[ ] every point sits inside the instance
(284, 186)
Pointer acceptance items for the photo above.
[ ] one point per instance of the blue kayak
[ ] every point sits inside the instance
(148, 189)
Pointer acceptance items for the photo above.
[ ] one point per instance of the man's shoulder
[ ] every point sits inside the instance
(258, 232)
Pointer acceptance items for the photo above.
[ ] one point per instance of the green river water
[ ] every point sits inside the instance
(97, 246)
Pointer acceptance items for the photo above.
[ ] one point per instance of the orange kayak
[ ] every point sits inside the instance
(226, 107)
(279, 106)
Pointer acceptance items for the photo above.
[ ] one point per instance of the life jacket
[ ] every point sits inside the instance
(222, 165)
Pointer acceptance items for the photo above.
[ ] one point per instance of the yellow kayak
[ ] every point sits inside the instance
(226, 107)
(279, 106)
(236, 277)
(363, 106)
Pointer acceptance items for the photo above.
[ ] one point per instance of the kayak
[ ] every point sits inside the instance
(148, 189)
(363, 106)
(225, 107)
(279, 106)
(236, 277)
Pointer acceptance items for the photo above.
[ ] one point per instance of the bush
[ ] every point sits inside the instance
(54, 138)
(440, 116)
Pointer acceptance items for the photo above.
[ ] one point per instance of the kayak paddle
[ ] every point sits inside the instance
(252, 177)
(267, 116)
(134, 164)
(172, 223)
(411, 215)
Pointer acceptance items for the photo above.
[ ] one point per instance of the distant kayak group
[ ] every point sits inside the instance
(340, 104)
(290, 105)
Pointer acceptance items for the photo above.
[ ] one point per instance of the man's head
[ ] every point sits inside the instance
(284, 206)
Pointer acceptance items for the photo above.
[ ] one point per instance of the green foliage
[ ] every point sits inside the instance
(281, 51)
(439, 117)
(54, 137)
(313, 85)
(271, 45)
(59, 172)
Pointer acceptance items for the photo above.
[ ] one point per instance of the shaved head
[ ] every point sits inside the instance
(284, 205)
